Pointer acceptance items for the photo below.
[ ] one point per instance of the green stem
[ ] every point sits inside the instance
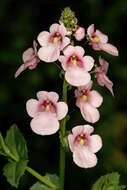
(62, 134)
(41, 178)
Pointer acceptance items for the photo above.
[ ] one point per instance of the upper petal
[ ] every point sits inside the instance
(45, 124)
(54, 28)
(102, 37)
(77, 77)
(49, 53)
(32, 107)
(95, 99)
(53, 96)
(87, 86)
(88, 63)
(95, 143)
(77, 130)
(89, 113)
(88, 129)
(84, 158)
(69, 50)
(62, 110)
(62, 29)
(79, 51)
(109, 48)
(41, 95)
(43, 38)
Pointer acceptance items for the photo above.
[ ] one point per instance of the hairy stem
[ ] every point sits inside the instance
(62, 134)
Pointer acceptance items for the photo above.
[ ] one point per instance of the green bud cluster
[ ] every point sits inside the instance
(69, 20)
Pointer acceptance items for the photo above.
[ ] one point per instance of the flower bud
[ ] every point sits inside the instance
(80, 33)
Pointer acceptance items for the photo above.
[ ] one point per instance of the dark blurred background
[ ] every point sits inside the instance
(21, 22)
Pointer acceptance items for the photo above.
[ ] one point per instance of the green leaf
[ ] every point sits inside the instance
(16, 143)
(108, 182)
(40, 186)
(1, 145)
(13, 171)
(51, 177)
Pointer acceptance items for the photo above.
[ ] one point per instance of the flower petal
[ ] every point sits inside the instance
(77, 130)
(104, 64)
(35, 47)
(64, 43)
(79, 51)
(88, 129)
(53, 96)
(84, 158)
(109, 48)
(28, 55)
(77, 77)
(71, 142)
(108, 83)
(45, 124)
(95, 99)
(100, 79)
(69, 50)
(89, 113)
(42, 95)
(82, 129)
(102, 37)
(32, 107)
(62, 110)
(95, 143)
(88, 62)
(90, 30)
(22, 68)
(54, 28)
(49, 53)
(79, 33)
(62, 29)
(63, 61)
(43, 38)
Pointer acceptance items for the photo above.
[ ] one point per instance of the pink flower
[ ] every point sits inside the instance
(30, 59)
(88, 102)
(46, 111)
(99, 41)
(79, 33)
(102, 79)
(83, 145)
(76, 66)
(52, 42)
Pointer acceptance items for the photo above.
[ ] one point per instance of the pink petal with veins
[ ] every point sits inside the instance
(45, 124)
